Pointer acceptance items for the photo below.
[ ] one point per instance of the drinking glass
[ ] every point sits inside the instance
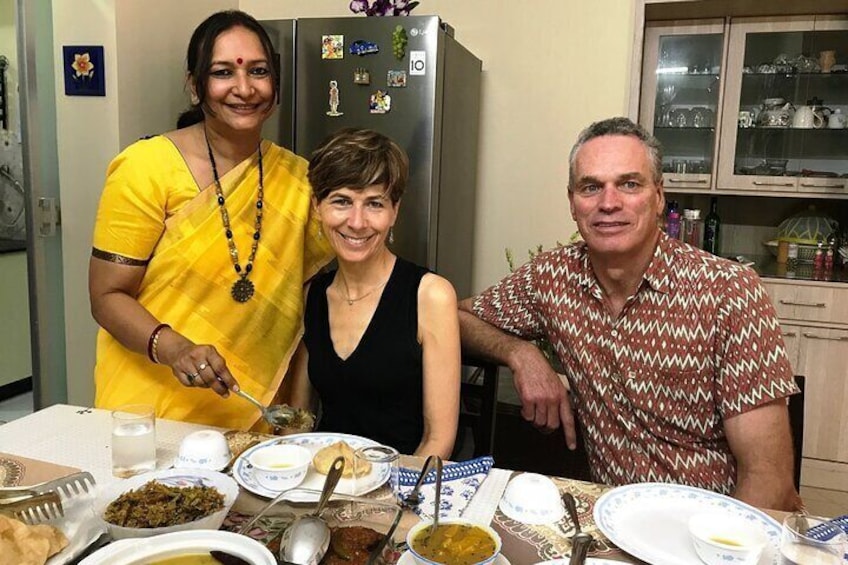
(133, 440)
(811, 539)
(382, 459)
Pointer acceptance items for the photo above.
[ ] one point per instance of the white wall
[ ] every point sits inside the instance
(550, 67)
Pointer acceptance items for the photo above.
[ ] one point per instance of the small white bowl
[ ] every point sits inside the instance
(204, 449)
(280, 467)
(170, 477)
(532, 499)
(721, 538)
(413, 532)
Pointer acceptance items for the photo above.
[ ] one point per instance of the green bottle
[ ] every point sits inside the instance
(712, 227)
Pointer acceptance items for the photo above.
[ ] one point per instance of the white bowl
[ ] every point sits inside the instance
(721, 538)
(280, 467)
(171, 477)
(532, 499)
(170, 545)
(204, 449)
(424, 524)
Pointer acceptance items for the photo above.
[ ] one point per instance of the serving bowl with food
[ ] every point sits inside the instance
(454, 541)
(196, 547)
(165, 501)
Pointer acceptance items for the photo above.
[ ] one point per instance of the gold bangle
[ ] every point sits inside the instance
(153, 343)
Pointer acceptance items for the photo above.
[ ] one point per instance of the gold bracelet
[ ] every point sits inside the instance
(153, 343)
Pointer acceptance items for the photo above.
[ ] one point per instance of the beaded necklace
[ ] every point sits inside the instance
(243, 288)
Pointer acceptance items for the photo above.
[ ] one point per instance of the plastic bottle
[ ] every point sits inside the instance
(712, 227)
(818, 258)
(693, 227)
(672, 226)
(792, 257)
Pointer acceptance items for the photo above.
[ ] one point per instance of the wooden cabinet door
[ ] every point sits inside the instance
(792, 341)
(823, 355)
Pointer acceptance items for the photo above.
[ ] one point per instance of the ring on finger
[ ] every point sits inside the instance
(191, 377)
(201, 367)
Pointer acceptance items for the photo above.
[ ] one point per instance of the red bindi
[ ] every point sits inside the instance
(239, 60)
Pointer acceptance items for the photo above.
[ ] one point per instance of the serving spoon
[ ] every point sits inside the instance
(277, 414)
(580, 541)
(306, 541)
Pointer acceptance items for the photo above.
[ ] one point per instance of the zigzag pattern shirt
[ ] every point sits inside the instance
(698, 343)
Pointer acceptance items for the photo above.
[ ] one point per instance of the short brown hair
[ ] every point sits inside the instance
(357, 158)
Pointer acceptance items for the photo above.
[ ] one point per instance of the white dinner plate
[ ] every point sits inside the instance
(406, 558)
(650, 521)
(589, 561)
(242, 470)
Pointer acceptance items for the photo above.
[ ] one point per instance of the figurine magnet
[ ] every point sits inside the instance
(332, 46)
(396, 79)
(380, 103)
(361, 76)
(334, 100)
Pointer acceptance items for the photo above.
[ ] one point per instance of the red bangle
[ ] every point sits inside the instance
(153, 342)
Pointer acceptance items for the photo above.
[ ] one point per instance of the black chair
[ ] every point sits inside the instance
(478, 402)
(796, 423)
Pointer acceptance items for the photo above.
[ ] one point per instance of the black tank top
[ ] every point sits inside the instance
(377, 392)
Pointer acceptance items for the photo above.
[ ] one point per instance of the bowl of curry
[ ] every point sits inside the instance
(454, 541)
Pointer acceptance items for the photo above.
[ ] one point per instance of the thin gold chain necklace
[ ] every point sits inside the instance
(350, 301)
(243, 288)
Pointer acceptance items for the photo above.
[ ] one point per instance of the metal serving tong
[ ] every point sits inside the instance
(43, 501)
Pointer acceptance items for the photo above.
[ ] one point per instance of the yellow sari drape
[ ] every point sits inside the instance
(189, 275)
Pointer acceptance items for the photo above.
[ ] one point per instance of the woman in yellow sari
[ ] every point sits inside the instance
(203, 242)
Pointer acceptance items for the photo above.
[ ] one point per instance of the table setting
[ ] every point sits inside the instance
(264, 485)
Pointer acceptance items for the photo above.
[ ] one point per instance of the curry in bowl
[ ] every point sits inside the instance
(454, 542)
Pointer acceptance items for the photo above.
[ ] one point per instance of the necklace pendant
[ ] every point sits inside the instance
(350, 302)
(242, 290)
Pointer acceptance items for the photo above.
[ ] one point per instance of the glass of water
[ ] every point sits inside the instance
(133, 440)
(808, 540)
(382, 462)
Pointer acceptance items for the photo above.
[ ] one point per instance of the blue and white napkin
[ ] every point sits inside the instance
(460, 482)
(823, 533)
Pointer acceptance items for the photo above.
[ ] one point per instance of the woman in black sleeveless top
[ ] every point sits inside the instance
(381, 343)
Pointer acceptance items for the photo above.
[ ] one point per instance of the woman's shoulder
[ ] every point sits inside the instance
(148, 153)
(435, 290)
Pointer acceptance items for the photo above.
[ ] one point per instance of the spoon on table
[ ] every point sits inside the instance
(306, 541)
(580, 541)
(276, 414)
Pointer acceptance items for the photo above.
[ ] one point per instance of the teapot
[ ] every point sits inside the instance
(776, 113)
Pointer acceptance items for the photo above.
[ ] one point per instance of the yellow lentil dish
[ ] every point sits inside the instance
(454, 544)
(155, 505)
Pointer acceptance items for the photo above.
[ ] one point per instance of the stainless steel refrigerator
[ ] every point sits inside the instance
(434, 93)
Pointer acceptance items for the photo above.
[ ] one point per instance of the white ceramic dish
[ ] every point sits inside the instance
(133, 551)
(720, 538)
(280, 467)
(171, 477)
(406, 558)
(623, 512)
(243, 473)
(589, 561)
(414, 530)
(203, 449)
(533, 499)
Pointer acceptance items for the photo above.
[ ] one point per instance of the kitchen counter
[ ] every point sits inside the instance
(767, 267)
(12, 245)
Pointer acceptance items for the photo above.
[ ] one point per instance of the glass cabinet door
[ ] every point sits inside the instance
(785, 111)
(680, 97)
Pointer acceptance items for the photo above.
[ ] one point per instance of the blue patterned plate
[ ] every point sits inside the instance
(650, 521)
(242, 471)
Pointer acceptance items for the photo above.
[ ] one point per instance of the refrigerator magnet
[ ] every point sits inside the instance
(380, 103)
(332, 46)
(334, 100)
(396, 79)
(361, 47)
(361, 76)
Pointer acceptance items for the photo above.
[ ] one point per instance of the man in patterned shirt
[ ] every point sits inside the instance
(675, 362)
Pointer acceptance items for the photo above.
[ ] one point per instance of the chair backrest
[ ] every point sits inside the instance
(796, 423)
(478, 402)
